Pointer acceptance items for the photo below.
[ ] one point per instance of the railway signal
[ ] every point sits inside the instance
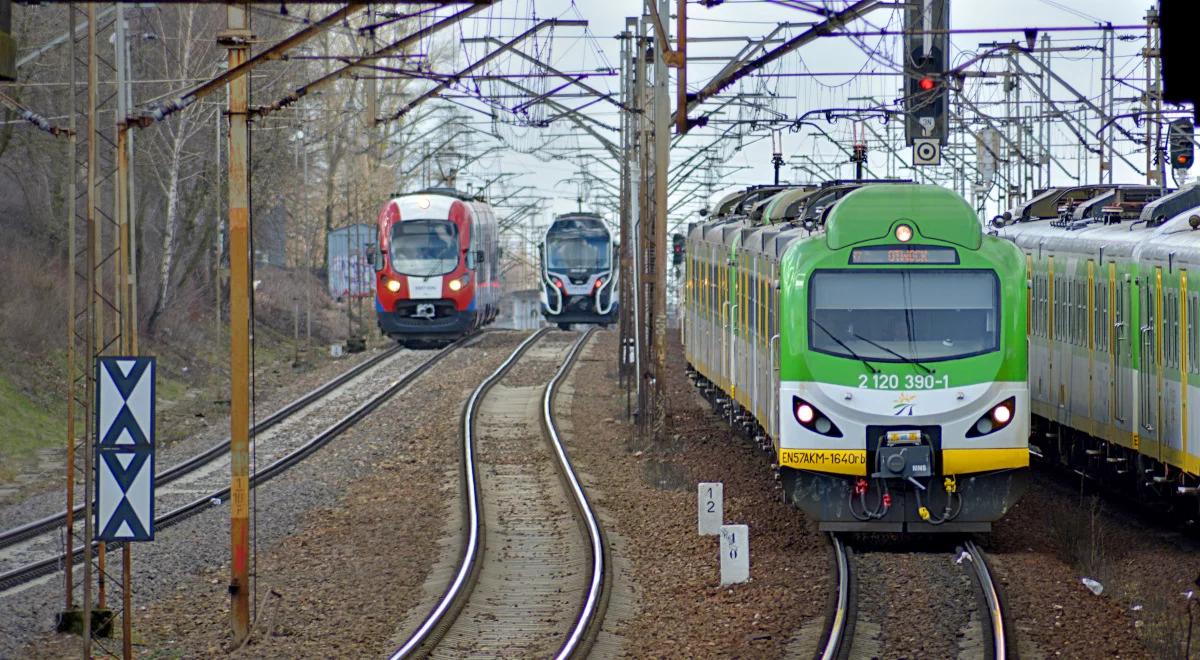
(925, 93)
(1181, 144)
(677, 241)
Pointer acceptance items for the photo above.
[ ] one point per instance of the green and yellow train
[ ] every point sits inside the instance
(1114, 334)
(872, 337)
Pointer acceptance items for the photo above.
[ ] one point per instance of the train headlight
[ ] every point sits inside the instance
(1002, 414)
(995, 419)
(904, 233)
(393, 285)
(458, 283)
(805, 413)
(812, 419)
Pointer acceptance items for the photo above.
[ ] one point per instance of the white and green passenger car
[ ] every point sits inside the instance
(873, 338)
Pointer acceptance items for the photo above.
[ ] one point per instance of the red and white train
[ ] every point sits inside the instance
(437, 267)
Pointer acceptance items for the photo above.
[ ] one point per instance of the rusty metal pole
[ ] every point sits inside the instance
(662, 144)
(236, 38)
(128, 347)
(679, 61)
(69, 566)
(98, 266)
(94, 331)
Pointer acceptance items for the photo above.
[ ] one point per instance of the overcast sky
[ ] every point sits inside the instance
(575, 49)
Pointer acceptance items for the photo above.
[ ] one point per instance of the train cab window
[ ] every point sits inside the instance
(424, 248)
(900, 315)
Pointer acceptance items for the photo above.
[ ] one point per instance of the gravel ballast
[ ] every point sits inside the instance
(667, 600)
(343, 539)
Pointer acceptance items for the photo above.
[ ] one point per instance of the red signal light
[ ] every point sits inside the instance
(926, 84)
(1182, 159)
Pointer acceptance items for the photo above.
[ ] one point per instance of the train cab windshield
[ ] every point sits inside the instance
(424, 247)
(576, 250)
(904, 315)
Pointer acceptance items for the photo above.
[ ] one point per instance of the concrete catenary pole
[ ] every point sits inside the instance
(662, 145)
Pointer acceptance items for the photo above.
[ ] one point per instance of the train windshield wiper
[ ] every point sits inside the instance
(849, 350)
(902, 357)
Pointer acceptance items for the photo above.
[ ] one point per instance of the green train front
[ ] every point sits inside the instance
(903, 397)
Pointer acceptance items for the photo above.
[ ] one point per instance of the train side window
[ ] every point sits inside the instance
(1085, 312)
(1118, 314)
(1175, 329)
(1102, 319)
(1042, 305)
(1060, 297)
(754, 298)
(1039, 306)
(1082, 313)
(1172, 329)
(1193, 347)
(1166, 341)
(1084, 339)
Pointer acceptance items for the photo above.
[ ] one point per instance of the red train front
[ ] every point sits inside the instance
(438, 267)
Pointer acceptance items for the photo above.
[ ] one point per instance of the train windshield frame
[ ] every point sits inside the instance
(425, 247)
(577, 250)
(901, 315)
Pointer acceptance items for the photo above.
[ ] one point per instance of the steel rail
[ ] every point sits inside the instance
(29, 572)
(443, 614)
(17, 534)
(991, 598)
(837, 641)
(584, 627)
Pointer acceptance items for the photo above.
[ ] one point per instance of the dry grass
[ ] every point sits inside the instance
(1081, 533)
(1086, 540)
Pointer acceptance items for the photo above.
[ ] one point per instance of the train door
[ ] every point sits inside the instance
(1148, 351)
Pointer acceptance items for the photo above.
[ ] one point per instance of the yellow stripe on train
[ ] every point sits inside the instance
(967, 461)
(854, 461)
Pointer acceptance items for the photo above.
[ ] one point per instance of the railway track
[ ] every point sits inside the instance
(17, 534)
(530, 579)
(844, 638)
(34, 550)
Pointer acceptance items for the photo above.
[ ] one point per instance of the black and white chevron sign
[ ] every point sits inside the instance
(125, 448)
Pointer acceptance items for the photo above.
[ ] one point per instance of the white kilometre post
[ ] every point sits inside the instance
(735, 554)
(710, 500)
